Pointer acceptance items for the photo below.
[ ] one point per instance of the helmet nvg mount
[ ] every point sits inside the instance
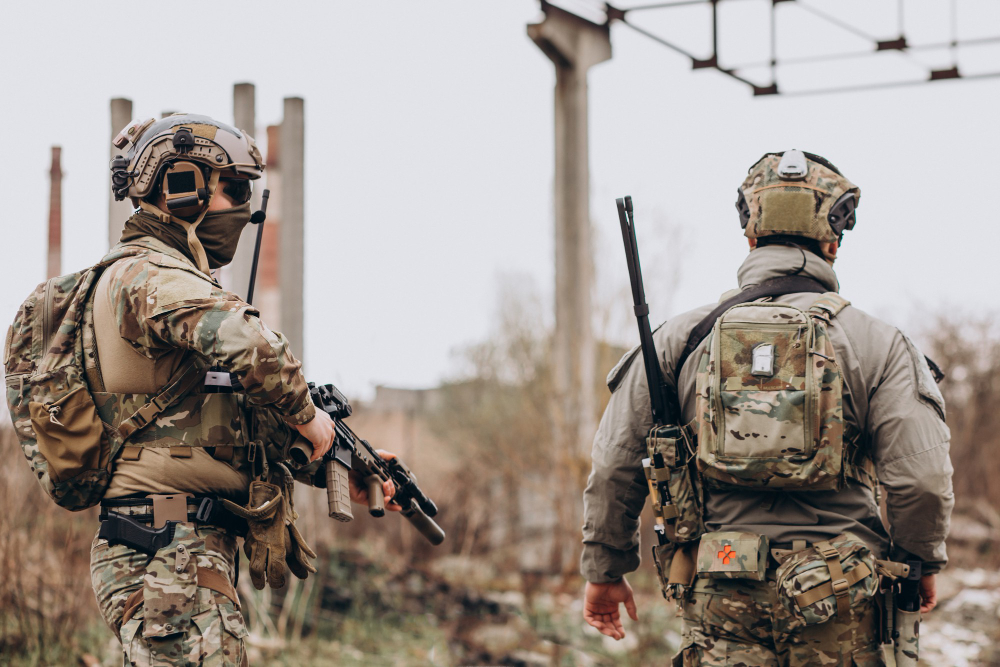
(182, 156)
(797, 194)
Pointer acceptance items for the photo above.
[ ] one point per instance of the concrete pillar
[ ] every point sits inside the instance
(268, 286)
(55, 214)
(237, 274)
(574, 45)
(291, 244)
(118, 211)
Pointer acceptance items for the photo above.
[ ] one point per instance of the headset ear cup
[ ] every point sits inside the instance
(842, 216)
(743, 207)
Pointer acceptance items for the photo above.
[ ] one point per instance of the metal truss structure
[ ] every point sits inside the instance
(879, 46)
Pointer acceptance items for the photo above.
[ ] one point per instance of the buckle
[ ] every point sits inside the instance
(204, 512)
(828, 552)
(841, 587)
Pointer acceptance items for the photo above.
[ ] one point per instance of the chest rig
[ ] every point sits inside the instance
(157, 402)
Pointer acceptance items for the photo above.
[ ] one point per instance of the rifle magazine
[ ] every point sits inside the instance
(338, 491)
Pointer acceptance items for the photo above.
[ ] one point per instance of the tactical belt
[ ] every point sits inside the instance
(127, 527)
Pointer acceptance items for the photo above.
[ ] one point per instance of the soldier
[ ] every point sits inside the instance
(211, 459)
(759, 504)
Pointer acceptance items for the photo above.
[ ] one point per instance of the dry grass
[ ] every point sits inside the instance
(47, 606)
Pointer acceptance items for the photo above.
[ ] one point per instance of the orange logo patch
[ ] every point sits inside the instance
(726, 554)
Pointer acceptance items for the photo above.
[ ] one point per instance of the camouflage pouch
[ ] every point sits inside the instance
(732, 555)
(769, 399)
(170, 586)
(674, 489)
(827, 579)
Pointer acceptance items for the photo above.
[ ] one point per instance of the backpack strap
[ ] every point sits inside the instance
(773, 287)
(829, 304)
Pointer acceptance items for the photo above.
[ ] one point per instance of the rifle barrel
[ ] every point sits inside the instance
(659, 404)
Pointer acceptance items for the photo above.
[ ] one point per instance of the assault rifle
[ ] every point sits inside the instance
(349, 452)
(661, 399)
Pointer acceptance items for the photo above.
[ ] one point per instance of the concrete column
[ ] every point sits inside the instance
(237, 275)
(269, 301)
(291, 244)
(118, 211)
(55, 214)
(574, 45)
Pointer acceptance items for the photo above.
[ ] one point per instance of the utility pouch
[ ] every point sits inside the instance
(732, 555)
(827, 579)
(676, 493)
(906, 637)
(170, 586)
(69, 432)
(675, 568)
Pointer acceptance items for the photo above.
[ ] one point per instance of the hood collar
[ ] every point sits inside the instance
(775, 261)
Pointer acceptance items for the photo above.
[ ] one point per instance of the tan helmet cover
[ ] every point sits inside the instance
(793, 203)
(151, 144)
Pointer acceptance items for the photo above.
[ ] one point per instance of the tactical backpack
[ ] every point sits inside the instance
(69, 448)
(769, 399)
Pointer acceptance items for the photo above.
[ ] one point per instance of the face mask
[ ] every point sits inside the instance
(219, 233)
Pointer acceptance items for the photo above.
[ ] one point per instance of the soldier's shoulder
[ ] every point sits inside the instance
(163, 281)
(863, 328)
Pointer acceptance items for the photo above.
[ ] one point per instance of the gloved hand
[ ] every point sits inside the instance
(298, 554)
(264, 544)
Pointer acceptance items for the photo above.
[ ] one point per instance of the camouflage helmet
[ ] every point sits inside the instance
(794, 193)
(154, 146)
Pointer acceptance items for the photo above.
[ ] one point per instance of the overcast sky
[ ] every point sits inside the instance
(429, 152)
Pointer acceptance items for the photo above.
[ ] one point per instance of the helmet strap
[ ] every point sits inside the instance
(194, 244)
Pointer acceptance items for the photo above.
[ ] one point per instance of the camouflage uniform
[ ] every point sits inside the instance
(173, 315)
(742, 622)
(887, 398)
(178, 622)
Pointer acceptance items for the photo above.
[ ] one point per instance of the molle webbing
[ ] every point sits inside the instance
(185, 382)
(773, 287)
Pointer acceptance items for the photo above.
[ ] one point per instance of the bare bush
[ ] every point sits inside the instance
(968, 350)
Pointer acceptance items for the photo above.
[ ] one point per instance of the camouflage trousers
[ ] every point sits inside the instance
(742, 622)
(178, 622)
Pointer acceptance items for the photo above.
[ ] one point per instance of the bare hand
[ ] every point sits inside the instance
(928, 593)
(359, 492)
(600, 607)
(319, 431)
